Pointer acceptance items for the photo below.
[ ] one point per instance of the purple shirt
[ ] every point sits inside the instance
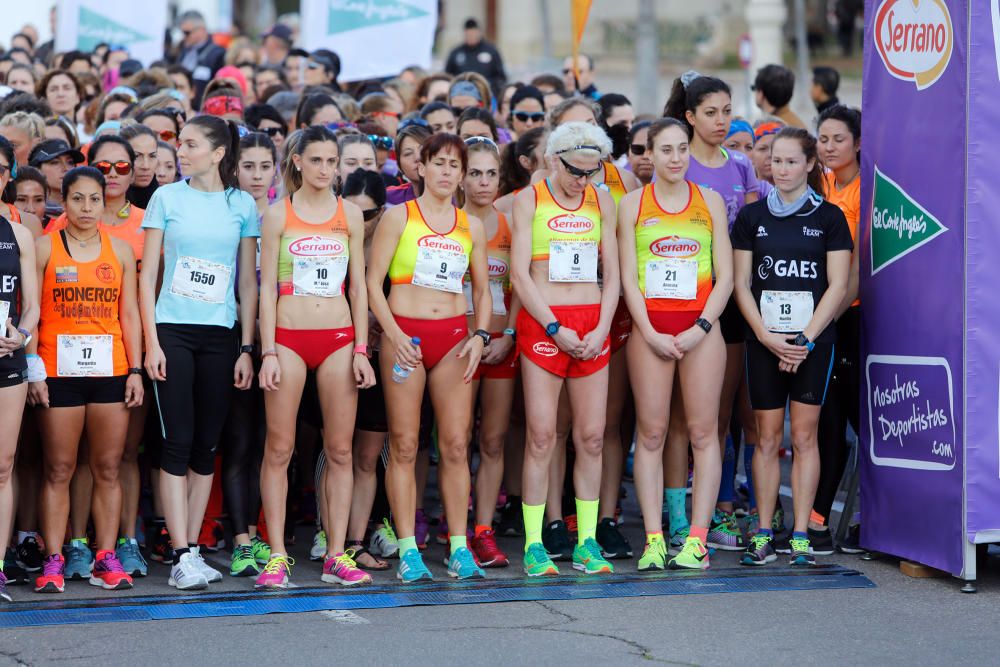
(399, 194)
(733, 180)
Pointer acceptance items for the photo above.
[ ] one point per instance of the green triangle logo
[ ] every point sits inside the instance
(899, 224)
(345, 15)
(96, 28)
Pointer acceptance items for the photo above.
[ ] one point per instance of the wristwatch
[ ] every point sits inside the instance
(552, 328)
(704, 324)
(135, 371)
(246, 349)
(802, 341)
(27, 336)
(485, 335)
(510, 332)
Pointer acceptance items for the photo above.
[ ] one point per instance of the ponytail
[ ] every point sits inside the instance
(808, 143)
(226, 134)
(688, 92)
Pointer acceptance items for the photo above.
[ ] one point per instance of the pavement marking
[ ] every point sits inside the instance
(344, 616)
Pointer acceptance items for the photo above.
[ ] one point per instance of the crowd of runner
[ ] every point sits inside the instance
(233, 288)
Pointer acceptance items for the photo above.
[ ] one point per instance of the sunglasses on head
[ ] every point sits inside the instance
(472, 141)
(370, 213)
(393, 114)
(576, 171)
(458, 110)
(339, 125)
(272, 131)
(526, 116)
(384, 143)
(419, 122)
(121, 167)
(168, 135)
(637, 149)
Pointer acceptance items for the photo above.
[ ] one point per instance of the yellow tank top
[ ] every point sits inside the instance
(552, 222)
(428, 259)
(613, 182)
(674, 253)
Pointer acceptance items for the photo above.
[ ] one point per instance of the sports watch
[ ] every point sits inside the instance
(27, 336)
(704, 324)
(246, 349)
(802, 341)
(485, 335)
(510, 332)
(552, 328)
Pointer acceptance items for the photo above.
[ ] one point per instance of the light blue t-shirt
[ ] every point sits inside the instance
(201, 239)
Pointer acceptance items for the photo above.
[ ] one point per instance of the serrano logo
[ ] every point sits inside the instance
(545, 349)
(442, 243)
(571, 224)
(674, 246)
(498, 267)
(914, 38)
(315, 246)
(105, 273)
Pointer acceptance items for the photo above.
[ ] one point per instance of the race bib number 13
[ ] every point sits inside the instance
(786, 312)
(201, 280)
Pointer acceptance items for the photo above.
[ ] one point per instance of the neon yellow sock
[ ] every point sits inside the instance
(407, 544)
(457, 542)
(534, 517)
(586, 519)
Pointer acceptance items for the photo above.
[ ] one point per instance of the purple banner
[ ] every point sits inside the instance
(912, 269)
(983, 276)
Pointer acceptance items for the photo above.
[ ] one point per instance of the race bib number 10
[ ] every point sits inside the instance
(318, 276)
(573, 261)
(200, 280)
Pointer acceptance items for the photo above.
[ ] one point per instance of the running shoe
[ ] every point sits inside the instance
(694, 556)
(261, 550)
(511, 522)
(4, 595)
(383, 542)
(412, 568)
(753, 523)
(760, 551)
(852, 543)
(52, 579)
(821, 542)
(108, 573)
(537, 562)
(162, 551)
(801, 552)
(588, 559)
(185, 575)
(275, 574)
(613, 543)
(654, 556)
(778, 520)
(782, 544)
(79, 560)
(12, 569)
(678, 538)
(341, 569)
(555, 537)
(421, 529)
(130, 557)
(571, 523)
(243, 563)
(462, 565)
(441, 535)
(29, 554)
(212, 536)
(725, 533)
(487, 552)
(210, 573)
(318, 550)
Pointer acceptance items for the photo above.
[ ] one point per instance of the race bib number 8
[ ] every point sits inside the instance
(786, 312)
(200, 280)
(318, 276)
(573, 261)
(672, 279)
(84, 356)
(440, 269)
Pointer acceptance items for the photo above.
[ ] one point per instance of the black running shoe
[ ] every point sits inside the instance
(613, 544)
(852, 543)
(12, 569)
(555, 538)
(29, 554)
(511, 522)
(821, 542)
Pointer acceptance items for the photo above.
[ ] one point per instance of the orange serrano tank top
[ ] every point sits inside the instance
(79, 333)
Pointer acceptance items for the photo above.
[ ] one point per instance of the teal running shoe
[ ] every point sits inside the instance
(462, 565)
(412, 568)
(79, 560)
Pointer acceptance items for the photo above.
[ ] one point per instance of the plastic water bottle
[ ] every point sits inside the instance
(400, 373)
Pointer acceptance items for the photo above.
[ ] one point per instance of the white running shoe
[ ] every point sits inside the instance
(186, 574)
(211, 574)
(383, 542)
(318, 550)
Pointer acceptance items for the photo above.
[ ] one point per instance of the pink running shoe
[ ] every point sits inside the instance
(275, 574)
(341, 569)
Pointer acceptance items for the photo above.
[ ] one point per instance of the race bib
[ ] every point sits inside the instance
(84, 356)
(440, 269)
(672, 279)
(786, 312)
(496, 294)
(319, 276)
(200, 280)
(4, 314)
(573, 261)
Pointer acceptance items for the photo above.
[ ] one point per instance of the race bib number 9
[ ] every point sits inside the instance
(573, 261)
(200, 280)
(440, 269)
(672, 279)
(84, 356)
(319, 276)
(786, 312)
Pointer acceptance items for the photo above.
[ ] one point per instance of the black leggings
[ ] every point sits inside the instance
(194, 399)
(243, 450)
(842, 405)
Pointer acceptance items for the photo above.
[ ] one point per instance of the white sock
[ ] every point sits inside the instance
(22, 535)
